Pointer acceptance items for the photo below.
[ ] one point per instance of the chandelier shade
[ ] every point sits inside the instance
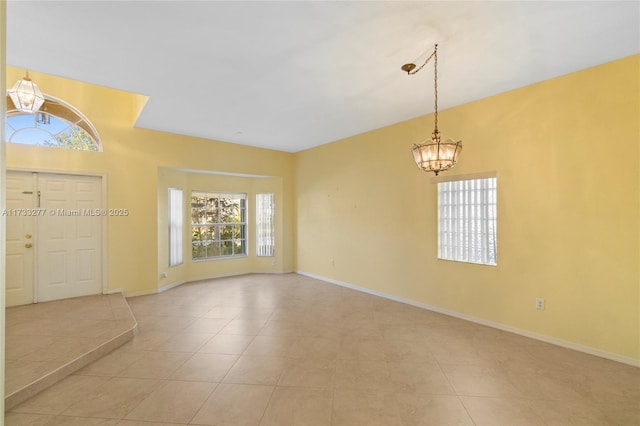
(26, 96)
(434, 155)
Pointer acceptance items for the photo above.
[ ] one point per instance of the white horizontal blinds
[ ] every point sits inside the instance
(176, 219)
(492, 221)
(265, 225)
(467, 219)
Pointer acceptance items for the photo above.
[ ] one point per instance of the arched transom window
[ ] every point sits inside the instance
(57, 125)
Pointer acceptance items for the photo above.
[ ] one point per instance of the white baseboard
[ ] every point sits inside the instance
(170, 286)
(548, 339)
(272, 272)
(153, 291)
(235, 274)
(213, 277)
(139, 293)
(179, 283)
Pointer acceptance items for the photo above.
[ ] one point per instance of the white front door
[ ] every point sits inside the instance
(69, 237)
(55, 239)
(20, 229)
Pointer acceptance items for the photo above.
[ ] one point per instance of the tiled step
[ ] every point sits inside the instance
(46, 342)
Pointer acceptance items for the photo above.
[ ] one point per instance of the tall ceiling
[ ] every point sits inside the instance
(294, 75)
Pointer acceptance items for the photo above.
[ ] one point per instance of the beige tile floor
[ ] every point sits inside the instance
(43, 338)
(289, 350)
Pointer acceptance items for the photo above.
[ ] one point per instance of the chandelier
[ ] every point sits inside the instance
(26, 96)
(434, 155)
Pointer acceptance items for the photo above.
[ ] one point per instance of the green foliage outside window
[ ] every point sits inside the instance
(76, 139)
(57, 125)
(218, 225)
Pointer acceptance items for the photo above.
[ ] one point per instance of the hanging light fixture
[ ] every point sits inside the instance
(26, 96)
(434, 155)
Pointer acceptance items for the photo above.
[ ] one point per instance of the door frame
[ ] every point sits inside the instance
(103, 224)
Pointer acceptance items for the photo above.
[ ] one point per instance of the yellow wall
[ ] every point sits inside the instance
(566, 155)
(131, 161)
(565, 152)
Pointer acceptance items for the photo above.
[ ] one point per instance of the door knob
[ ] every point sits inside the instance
(28, 245)
(28, 236)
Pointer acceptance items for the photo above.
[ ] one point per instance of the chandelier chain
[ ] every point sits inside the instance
(435, 86)
(425, 62)
(413, 70)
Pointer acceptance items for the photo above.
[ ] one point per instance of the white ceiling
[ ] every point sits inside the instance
(293, 75)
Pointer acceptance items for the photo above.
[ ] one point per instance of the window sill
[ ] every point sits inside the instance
(469, 263)
(235, 256)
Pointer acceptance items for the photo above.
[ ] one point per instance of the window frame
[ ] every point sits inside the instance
(176, 226)
(265, 226)
(475, 238)
(243, 224)
(76, 123)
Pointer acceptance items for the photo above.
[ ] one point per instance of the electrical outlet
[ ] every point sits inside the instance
(540, 303)
(273, 263)
(163, 275)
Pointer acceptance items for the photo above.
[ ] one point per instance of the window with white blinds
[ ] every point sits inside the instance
(264, 225)
(467, 221)
(176, 218)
